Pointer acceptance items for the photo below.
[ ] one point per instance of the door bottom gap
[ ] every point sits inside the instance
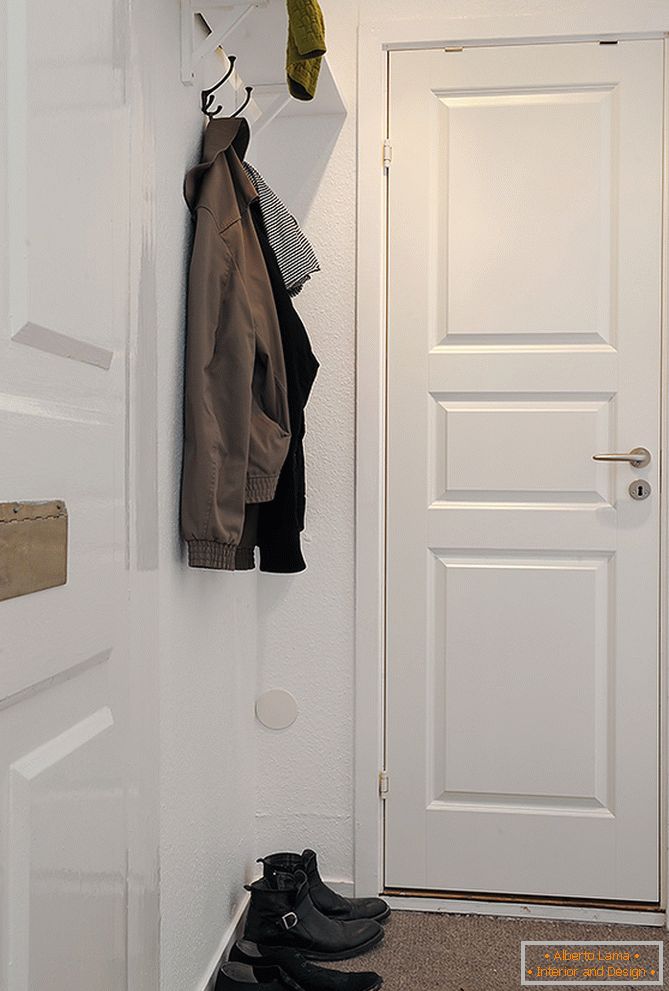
(492, 896)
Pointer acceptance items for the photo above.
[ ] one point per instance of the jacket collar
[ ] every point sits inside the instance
(223, 135)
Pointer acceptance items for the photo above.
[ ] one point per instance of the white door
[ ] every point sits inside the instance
(66, 739)
(524, 337)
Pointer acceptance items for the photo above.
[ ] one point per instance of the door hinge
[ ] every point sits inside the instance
(387, 154)
(383, 784)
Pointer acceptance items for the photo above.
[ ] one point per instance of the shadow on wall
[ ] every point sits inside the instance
(293, 154)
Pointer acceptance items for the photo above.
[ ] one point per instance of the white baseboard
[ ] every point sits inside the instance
(512, 910)
(230, 936)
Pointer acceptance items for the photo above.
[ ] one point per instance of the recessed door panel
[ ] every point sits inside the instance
(520, 603)
(515, 214)
(494, 448)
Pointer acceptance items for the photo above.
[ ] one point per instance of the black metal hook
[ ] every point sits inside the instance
(249, 90)
(207, 95)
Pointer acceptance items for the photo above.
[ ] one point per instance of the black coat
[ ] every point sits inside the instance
(276, 526)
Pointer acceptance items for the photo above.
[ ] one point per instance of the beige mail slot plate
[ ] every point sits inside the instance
(33, 547)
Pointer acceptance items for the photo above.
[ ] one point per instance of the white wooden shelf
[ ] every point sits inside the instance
(256, 33)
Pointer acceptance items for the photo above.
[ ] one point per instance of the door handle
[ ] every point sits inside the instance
(638, 457)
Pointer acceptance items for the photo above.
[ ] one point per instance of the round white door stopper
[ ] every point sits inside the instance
(276, 709)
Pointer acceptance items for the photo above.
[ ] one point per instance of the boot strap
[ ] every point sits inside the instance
(289, 920)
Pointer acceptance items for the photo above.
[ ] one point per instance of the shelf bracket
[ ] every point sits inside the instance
(221, 17)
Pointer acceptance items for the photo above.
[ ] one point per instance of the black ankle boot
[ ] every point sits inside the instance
(282, 913)
(325, 899)
(307, 975)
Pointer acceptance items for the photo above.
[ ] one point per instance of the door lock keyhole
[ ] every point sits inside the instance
(639, 488)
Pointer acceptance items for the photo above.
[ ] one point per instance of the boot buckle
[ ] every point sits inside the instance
(289, 920)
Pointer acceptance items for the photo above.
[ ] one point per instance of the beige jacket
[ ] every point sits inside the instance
(236, 430)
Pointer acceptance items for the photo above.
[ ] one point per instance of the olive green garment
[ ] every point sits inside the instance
(306, 47)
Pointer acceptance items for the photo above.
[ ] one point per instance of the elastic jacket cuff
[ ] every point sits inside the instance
(261, 488)
(211, 554)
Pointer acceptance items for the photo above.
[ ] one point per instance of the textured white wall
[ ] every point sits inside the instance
(305, 622)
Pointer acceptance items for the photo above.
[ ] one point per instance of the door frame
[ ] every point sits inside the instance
(590, 20)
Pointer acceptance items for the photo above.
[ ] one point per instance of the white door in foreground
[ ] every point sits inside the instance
(524, 337)
(66, 742)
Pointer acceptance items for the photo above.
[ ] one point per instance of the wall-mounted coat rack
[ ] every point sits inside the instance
(255, 30)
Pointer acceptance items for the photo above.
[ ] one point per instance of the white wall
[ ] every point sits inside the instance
(207, 620)
(224, 638)
(305, 622)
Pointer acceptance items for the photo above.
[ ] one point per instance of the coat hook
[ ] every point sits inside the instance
(249, 90)
(207, 95)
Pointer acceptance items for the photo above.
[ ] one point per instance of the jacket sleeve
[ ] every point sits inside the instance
(220, 352)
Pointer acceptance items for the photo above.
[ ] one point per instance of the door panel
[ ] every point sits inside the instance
(542, 215)
(484, 447)
(539, 765)
(524, 337)
(65, 735)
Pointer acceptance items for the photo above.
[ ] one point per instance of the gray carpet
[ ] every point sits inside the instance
(439, 952)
